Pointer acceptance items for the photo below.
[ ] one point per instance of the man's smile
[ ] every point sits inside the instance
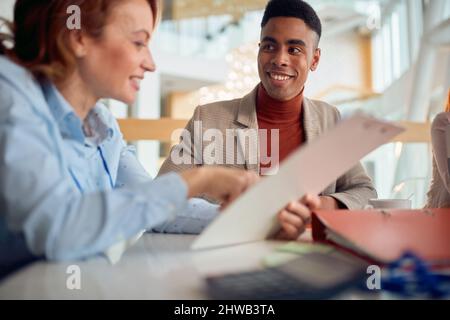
(278, 78)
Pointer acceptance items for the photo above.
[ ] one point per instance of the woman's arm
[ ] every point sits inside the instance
(440, 131)
(39, 199)
(195, 216)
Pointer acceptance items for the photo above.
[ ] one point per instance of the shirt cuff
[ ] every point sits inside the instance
(196, 216)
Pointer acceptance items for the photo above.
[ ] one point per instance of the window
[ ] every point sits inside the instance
(387, 54)
(391, 49)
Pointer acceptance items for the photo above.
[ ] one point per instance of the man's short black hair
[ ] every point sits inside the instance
(295, 9)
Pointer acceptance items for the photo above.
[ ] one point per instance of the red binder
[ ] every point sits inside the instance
(384, 235)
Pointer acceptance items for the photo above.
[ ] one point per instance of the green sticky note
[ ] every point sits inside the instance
(275, 259)
(292, 250)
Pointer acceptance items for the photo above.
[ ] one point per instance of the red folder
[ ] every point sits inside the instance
(384, 235)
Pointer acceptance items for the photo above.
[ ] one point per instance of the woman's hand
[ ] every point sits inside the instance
(221, 184)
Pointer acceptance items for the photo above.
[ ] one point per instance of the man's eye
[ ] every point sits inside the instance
(267, 47)
(295, 50)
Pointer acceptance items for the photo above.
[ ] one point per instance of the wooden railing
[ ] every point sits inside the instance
(150, 129)
(416, 132)
(162, 129)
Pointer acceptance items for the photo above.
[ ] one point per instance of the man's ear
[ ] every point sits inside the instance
(316, 59)
(78, 42)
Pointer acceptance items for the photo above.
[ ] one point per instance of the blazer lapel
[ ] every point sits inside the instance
(311, 121)
(246, 112)
(246, 118)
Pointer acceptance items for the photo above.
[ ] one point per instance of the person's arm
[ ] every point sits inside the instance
(198, 214)
(184, 156)
(130, 172)
(39, 199)
(195, 216)
(354, 189)
(439, 129)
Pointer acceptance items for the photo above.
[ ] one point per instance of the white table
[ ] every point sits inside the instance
(158, 266)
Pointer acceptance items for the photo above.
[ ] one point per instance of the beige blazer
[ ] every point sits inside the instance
(353, 189)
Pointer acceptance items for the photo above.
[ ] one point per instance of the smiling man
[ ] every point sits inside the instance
(279, 113)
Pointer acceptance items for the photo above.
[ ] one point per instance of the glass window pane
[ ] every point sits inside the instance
(387, 59)
(395, 36)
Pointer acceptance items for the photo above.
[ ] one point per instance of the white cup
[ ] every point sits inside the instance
(389, 204)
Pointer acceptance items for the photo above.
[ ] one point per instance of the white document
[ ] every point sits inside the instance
(311, 169)
(115, 252)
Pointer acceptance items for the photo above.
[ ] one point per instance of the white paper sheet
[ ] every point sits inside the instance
(252, 217)
(115, 252)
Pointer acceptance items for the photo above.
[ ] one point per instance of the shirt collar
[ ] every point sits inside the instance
(70, 125)
(98, 125)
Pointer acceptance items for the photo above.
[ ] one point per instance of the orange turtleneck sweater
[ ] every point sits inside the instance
(283, 115)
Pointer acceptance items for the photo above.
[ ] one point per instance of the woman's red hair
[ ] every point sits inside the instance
(447, 108)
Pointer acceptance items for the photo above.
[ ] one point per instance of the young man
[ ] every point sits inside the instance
(288, 51)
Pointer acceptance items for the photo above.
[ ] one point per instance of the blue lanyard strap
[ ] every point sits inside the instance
(105, 165)
(411, 277)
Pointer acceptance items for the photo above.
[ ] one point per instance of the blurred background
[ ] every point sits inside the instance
(388, 58)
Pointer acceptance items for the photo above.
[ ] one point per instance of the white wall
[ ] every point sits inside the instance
(6, 9)
(344, 61)
(148, 106)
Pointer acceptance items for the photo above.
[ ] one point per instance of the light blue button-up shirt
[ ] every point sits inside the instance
(69, 189)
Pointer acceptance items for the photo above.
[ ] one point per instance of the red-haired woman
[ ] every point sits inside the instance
(439, 193)
(69, 185)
